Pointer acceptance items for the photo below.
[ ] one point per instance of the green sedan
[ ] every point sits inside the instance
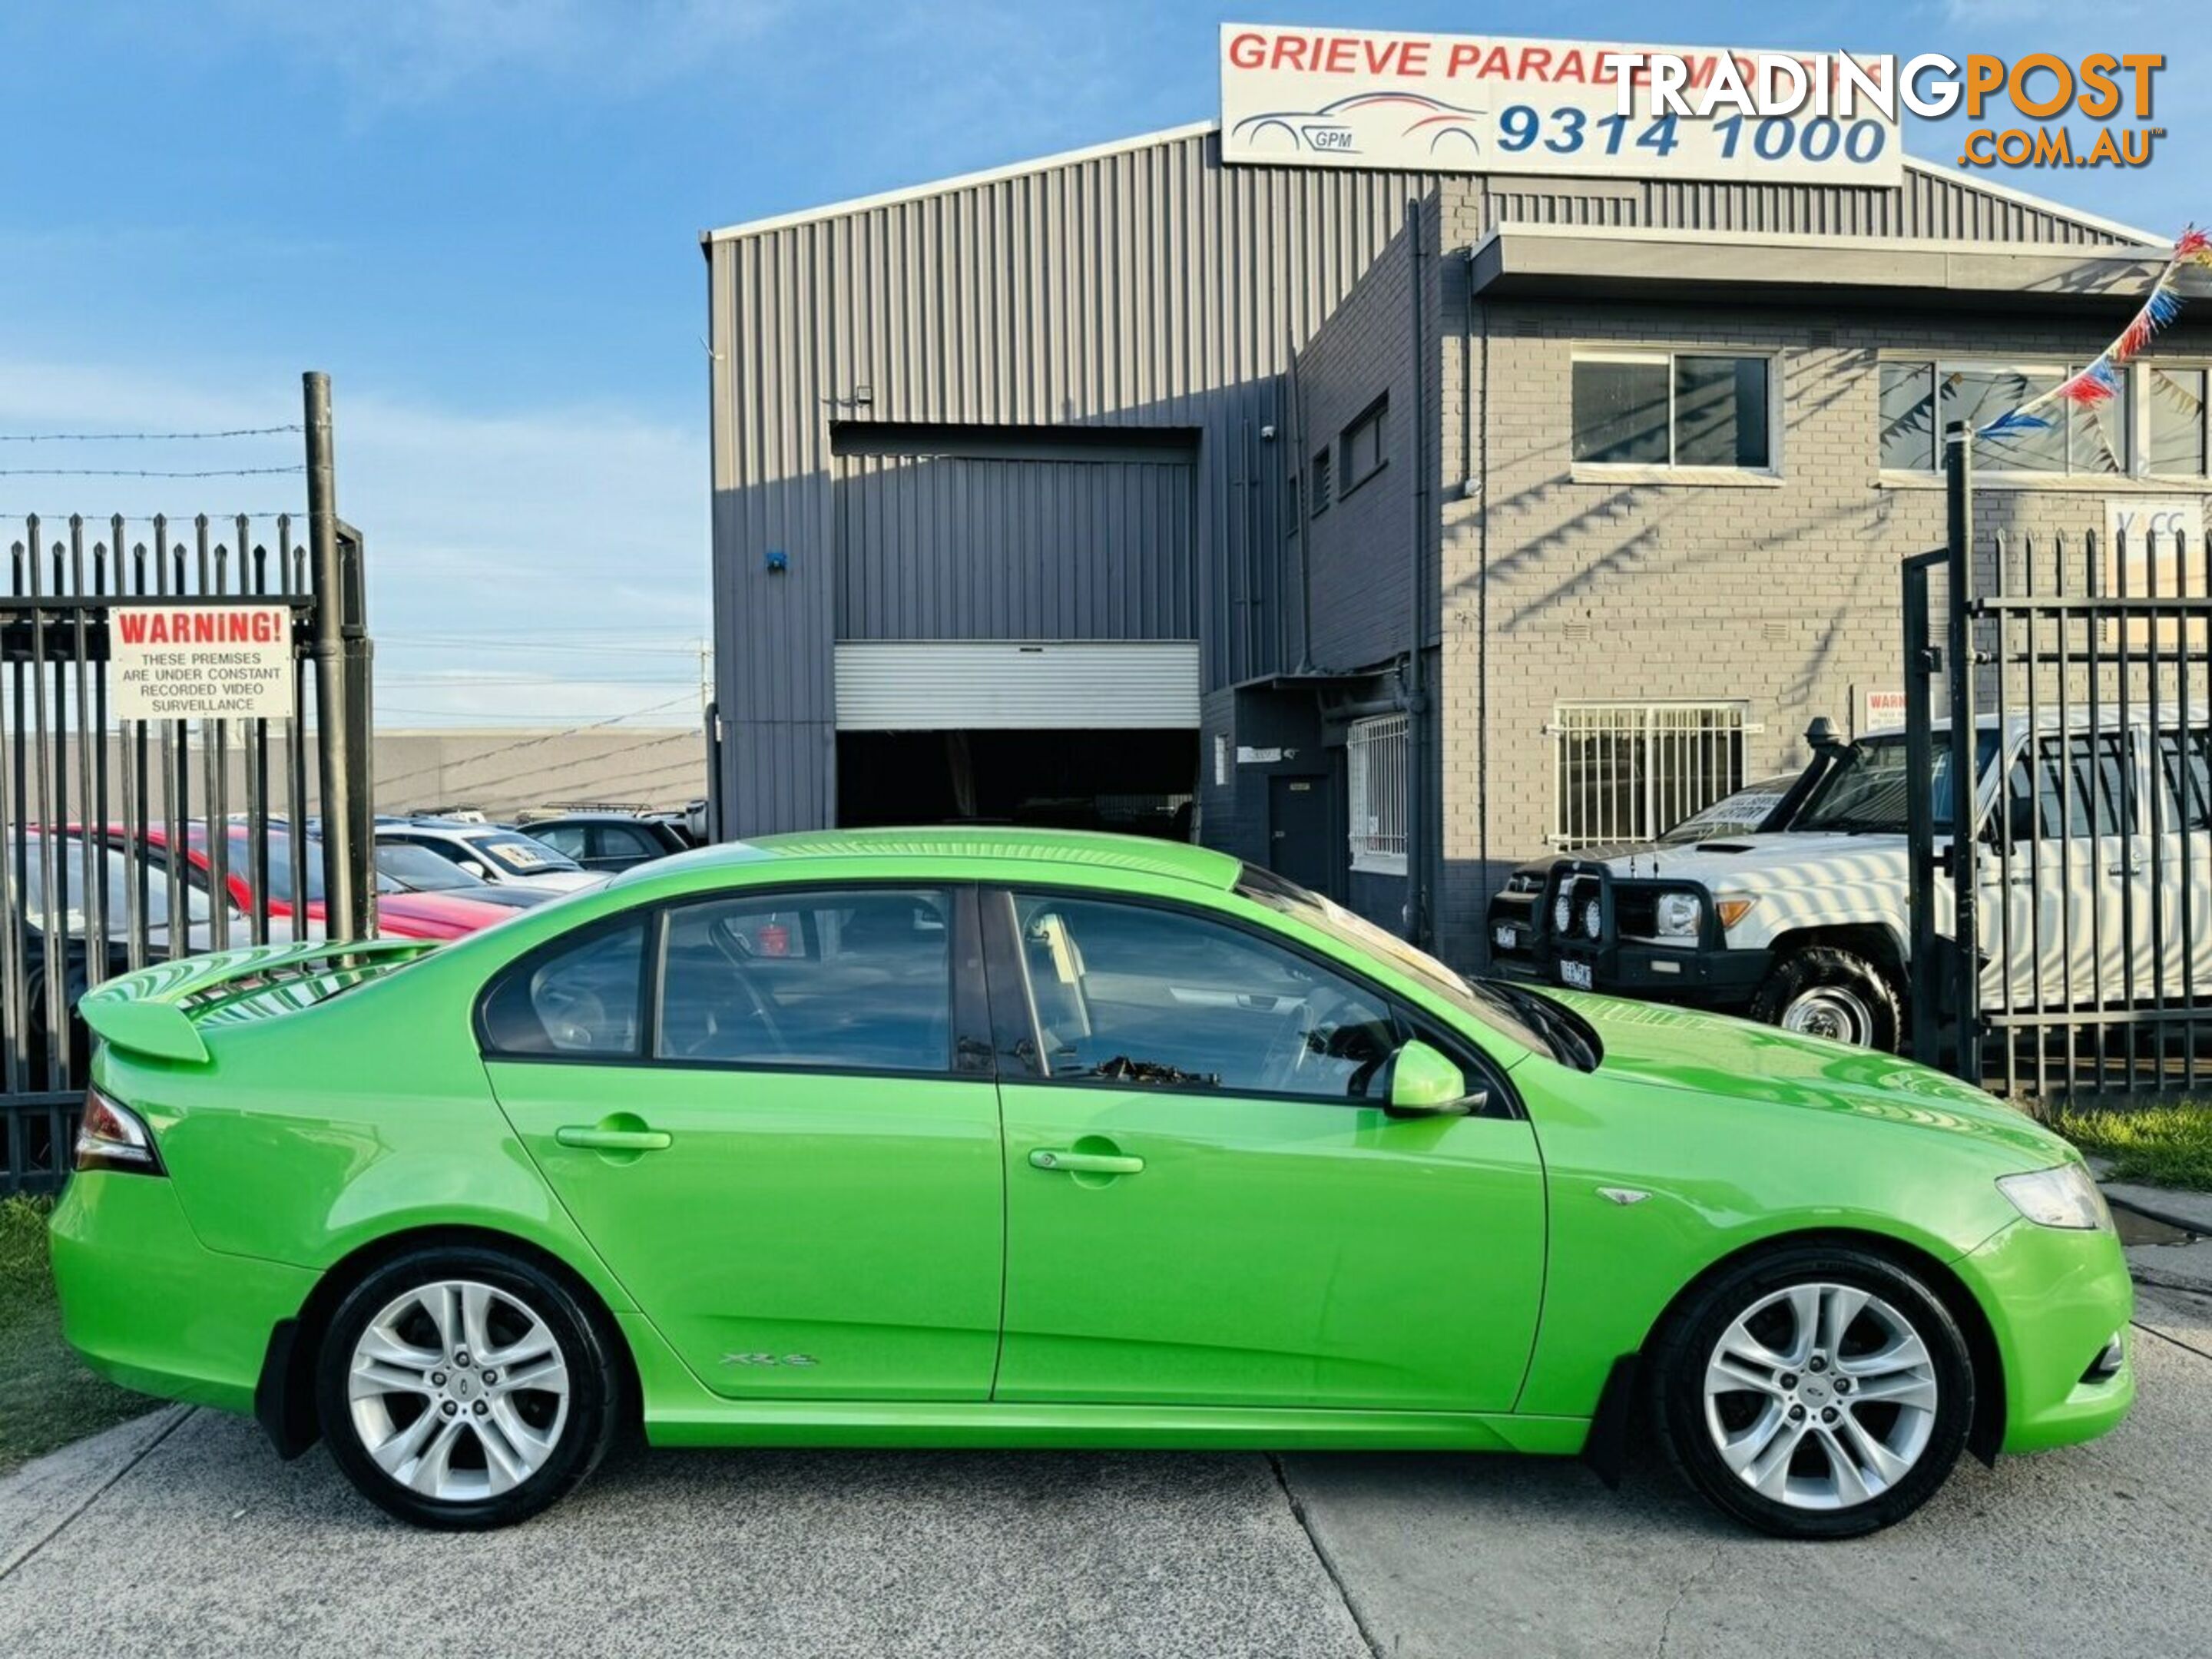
(984, 1138)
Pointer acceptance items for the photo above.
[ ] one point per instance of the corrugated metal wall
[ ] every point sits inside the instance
(959, 548)
(1147, 285)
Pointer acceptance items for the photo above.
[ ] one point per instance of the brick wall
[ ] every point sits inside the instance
(1785, 594)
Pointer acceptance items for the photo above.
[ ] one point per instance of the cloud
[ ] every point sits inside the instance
(545, 564)
(412, 51)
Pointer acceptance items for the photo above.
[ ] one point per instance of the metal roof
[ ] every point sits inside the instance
(1997, 195)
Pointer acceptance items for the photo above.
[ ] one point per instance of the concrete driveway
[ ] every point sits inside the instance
(181, 1534)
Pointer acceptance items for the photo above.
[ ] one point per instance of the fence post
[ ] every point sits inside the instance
(1965, 607)
(343, 880)
(1922, 661)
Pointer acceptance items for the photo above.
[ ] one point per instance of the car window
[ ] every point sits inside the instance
(839, 980)
(2188, 764)
(620, 840)
(2076, 790)
(561, 838)
(1134, 994)
(578, 998)
(519, 854)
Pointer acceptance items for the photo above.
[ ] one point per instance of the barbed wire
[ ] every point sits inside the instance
(142, 437)
(136, 472)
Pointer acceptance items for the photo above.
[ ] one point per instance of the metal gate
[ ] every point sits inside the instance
(126, 844)
(2067, 677)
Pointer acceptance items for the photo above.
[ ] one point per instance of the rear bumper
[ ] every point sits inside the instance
(2054, 1298)
(149, 1306)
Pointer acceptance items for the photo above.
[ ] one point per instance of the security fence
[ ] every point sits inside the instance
(1629, 772)
(2068, 677)
(132, 841)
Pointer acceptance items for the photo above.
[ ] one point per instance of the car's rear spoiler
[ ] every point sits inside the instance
(157, 1012)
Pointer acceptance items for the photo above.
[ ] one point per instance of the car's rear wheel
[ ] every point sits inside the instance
(465, 1389)
(1825, 991)
(1814, 1392)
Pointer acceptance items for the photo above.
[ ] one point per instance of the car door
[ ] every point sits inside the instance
(2181, 865)
(1205, 1202)
(2076, 924)
(751, 1105)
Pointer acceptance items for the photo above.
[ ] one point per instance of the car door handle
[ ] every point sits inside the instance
(1047, 1157)
(614, 1140)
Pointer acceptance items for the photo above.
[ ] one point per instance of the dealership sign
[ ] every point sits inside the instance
(194, 662)
(1454, 103)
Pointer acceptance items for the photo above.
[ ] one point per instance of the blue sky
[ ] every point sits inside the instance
(481, 217)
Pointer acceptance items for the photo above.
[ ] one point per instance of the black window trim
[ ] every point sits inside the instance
(969, 1050)
(1377, 414)
(1014, 1029)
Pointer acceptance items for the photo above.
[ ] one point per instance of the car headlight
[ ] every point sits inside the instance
(1563, 913)
(2065, 1195)
(1732, 908)
(1679, 915)
(1593, 919)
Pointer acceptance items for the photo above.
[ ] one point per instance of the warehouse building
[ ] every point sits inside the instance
(1381, 525)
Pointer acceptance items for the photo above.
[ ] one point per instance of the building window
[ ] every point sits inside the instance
(1630, 772)
(1920, 399)
(1363, 446)
(1319, 491)
(1375, 781)
(2176, 441)
(1673, 409)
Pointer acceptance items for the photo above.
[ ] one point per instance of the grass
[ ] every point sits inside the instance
(2164, 1146)
(47, 1399)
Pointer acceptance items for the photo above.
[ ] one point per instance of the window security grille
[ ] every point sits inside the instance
(1629, 772)
(1374, 755)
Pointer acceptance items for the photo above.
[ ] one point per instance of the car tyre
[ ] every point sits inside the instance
(464, 1389)
(1814, 1392)
(1824, 990)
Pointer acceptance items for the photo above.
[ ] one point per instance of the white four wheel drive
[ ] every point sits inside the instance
(2094, 885)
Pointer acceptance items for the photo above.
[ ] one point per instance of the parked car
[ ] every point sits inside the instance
(1807, 926)
(609, 841)
(418, 870)
(946, 1137)
(490, 852)
(400, 914)
(1511, 926)
(71, 924)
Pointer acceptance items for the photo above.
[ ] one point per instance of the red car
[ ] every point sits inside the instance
(400, 913)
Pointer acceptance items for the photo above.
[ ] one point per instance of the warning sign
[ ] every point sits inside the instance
(200, 662)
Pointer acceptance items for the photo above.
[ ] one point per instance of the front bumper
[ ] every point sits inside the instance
(149, 1306)
(2055, 1297)
(1706, 973)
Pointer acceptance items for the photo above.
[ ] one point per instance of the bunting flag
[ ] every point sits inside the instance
(2100, 381)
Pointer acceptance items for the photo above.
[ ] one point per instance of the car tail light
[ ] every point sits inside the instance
(113, 1137)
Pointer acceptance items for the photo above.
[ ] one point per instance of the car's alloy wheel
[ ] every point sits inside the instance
(463, 1388)
(1821, 1396)
(460, 1391)
(1816, 1390)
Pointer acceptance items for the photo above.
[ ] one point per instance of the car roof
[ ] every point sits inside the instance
(1138, 855)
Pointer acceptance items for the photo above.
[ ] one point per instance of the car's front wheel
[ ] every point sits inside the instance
(1814, 1392)
(1825, 990)
(464, 1389)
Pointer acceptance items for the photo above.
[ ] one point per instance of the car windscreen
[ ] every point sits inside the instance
(280, 866)
(520, 855)
(419, 869)
(70, 889)
(1865, 793)
(1526, 1018)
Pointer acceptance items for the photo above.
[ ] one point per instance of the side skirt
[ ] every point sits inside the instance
(1154, 1428)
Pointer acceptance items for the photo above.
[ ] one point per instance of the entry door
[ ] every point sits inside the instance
(1205, 1206)
(2080, 901)
(774, 1154)
(1298, 837)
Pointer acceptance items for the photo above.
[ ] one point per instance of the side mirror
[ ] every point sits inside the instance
(1422, 1083)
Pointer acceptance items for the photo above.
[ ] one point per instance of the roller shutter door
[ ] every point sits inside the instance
(910, 685)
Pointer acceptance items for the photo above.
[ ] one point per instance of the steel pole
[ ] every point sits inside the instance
(334, 710)
(1966, 962)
